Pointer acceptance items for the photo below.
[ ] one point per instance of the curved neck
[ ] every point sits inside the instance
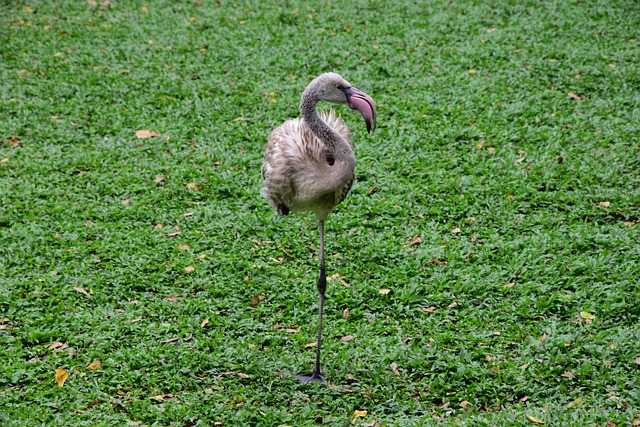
(308, 110)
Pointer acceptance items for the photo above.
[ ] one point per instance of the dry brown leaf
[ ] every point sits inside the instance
(394, 368)
(174, 234)
(456, 230)
(162, 397)
(415, 240)
(82, 291)
(238, 119)
(96, 364)
(525, 366)
(371, 423)
(189, 269)
(345, 313)
(309, 345)
(183, 247)
(573, 96)
(636, 423)
(535, 420)
(61, 376)
(386, 291)
(167, 341)
(346, 338)
(604, 204)
(125, 202)
(57, 344)
(4, 160)
(568, 374)
(93, 403)
(509, 285)
(158, 226)
(145, 133)
(256, 300)
(243, 375)
(204, 322)
(465, 404)
(429, 309)
(637, 360)
(453, 305)
(158, 179)
(543, 337)
(523, 399)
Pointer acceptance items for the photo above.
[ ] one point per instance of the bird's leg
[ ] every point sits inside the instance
(315, 375)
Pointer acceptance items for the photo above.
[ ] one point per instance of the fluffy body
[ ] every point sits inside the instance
(297, 164)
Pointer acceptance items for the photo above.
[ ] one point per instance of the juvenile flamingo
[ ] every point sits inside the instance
(309, 165)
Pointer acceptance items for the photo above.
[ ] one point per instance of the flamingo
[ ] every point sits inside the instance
(309, 166)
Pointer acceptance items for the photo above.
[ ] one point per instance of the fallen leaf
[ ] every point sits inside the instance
(586, 315)
(243, 375)
(126, 202)
(158, 179)
(394, 368)
(309, 345)
(359, 414)
(604, 204)
(568, 374)
(57, 344)
(256, 300)
(189, 269)
(345, 313)
(535, 420)
(509, 285)
(238, 119)
(158, 226)
(576, 402)
(465, 404)
(371, 423)
(161, 397)
(523, 399)
(456, 230)
(386, 291)
(93, 403)
(4, 160)
(167, 341)
(192, 186)
(61, 376)
(573, 96)
(453, 305)
(415, 241)
(346, 338)
(525, 366)
(637, 360)
(204, 322)
(429, 309)
(636, 423)
(82, 291)
(543, 337)
(183, 247)
(145, 133)
(96, 364)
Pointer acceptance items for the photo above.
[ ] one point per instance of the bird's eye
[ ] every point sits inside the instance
(340, 87)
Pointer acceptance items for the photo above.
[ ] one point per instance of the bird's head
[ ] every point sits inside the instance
(332, 87)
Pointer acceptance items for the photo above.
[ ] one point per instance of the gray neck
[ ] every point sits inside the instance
(334, 142)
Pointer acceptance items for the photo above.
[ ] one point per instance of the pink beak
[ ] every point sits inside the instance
(358, 100)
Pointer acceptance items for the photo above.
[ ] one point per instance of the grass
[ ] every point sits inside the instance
(498, 199)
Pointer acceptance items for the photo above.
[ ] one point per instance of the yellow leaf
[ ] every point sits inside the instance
(587, 315)
(576, 402)
(61, 376)
(183, 247)
(204, 322)
(358, 414)
(96, 364)
(535, 420)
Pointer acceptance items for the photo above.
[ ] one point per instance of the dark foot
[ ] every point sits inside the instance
(312, 377)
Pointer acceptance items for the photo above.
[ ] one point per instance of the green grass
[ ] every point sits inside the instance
(517, 123)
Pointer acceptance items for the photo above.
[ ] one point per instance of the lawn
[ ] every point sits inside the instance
(498, 202)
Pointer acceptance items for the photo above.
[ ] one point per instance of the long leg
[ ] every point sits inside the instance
(315, 375)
